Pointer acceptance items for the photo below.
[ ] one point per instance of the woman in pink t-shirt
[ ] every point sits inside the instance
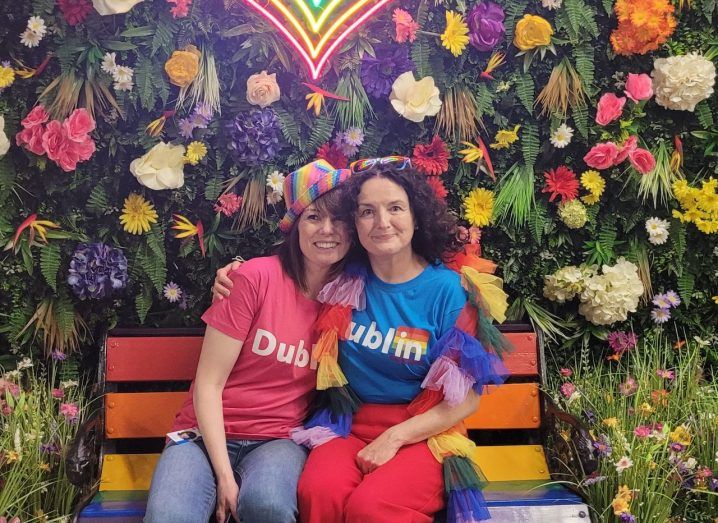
(255, 378)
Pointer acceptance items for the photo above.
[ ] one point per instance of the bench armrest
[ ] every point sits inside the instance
(83, 453)
(569, 446)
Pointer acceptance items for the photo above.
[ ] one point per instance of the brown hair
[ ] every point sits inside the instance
(289, 252)
(435, 236)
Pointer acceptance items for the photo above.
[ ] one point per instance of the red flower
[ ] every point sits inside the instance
(561, 182)
(333, 154)
(75, 11)
(438, 187)
(431, 159)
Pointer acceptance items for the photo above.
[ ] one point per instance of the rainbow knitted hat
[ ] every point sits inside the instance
(305, 185)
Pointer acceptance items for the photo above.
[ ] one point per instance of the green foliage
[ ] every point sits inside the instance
(526, 91)
(50, 264)
(530, 143)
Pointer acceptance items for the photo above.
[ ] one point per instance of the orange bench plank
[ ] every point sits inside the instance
(167, 358)
(523, 361)
(509, 406)
(141, 414)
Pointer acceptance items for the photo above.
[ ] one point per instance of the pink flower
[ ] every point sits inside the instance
(84, 149)
(639, 87)
(78, 124)
(406, 27)
(642, 431)
(70, 411)
(627, 148)
(228, 204)
(567, 389)
(642, 160)
(31, 139)
(35, 117)
(609, 108)
(665, 374)
(602, 155)
(566, 373)
(628, 387)
(58, 393)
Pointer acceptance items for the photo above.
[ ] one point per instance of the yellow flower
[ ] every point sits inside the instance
(532, 31)
(11, 456)
(619, 506)
(195, 152)
(183, 66)
(715, 300)
(187, 228)
(472, 153)
(7, 76)
(479, 207)
(590, 199)
(624, 493)
(504, 138)
(610, 422)
(645, 408)
(454, 38)
(45, 467)
(315, 100)
(137, 214)
(593, 181)
(681, 435)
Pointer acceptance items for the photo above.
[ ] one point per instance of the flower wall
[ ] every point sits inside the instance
(144, 144)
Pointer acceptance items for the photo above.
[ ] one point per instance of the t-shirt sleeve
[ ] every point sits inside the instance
(455, 301)
(234, 315)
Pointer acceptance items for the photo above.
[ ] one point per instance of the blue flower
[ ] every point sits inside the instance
(379, 72)
(254, 137)
(96, 270)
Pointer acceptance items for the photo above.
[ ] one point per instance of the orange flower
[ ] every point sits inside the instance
(642, 26)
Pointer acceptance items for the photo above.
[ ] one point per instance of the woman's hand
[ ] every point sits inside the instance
(378, 452)
(222, 283)
(227, 496)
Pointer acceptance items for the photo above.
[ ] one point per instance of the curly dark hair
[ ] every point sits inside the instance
(435, 237)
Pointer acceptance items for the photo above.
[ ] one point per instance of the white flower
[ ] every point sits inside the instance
(609, 297)
(68, 384)
(125, 85)
(624, 463)
(12, 375)
(274, 197)
(30, 38)
(114, 7)
(690, 463)
(354, 136)
(26, 363)
(161, 167)
(566, 282)
(657, 230)
(415, 100)
(551, 4)
(109, 63)
(37, 25)
(275, 181)
(681, 82)
(561, 137)
(4, 141)
(122, 73)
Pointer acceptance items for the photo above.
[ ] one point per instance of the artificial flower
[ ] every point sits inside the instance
(333, 154)
(698, 206)
(566, 283)
(415, 100)
(187, 229)
(379, 72)
(254, 137)
(660, 315)
(162, 167)
(601, 156)
(642, 26)
(7, 76)
(672, 298)
(486, 25)
(621, 341)
(595, 184)
(624, 463)
(75, 11)
(274, 197)
(532, 31)
(479, 207)
(4, 140)
(628, 387)
(642, 160)
(610, 296)
(657, 230)
(196, 151)
(37, 25)
(34, 226)
(183, 66)
(437, 186)
(262, 89)
(122, 75)
(347, 149)
(109, 63)
(228, 204)
(405, 26)
(552, 4)
(505, 137)
(137, 214)
(472, 153)
(666, 374)
(639, 87)
(275, 181)
(609, 108)
(661, 301)
(610, 422)
(562, 136)
(572, 213)
(97, 270)
(454, 38)
(431, 159)
(114, 7)
(181, 8)
(681, 435)
(496, 60)
(681, 82)
(172, 292)
(30, 38)
(561, 182)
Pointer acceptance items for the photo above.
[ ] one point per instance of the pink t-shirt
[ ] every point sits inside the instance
(271, 385)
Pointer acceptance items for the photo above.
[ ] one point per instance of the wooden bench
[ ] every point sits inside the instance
(146, 373)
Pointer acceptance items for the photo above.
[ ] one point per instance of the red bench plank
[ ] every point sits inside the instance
(523, 361)
(168, 358)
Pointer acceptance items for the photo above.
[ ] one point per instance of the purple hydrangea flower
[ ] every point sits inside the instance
(378, 73)
(96, 270)
(486, 25)
(254, 137)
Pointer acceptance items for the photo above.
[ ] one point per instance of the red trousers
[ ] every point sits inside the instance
(406, 489)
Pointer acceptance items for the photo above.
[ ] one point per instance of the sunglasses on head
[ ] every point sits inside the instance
(400, 162)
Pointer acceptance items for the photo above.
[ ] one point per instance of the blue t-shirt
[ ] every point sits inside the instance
(385, 356)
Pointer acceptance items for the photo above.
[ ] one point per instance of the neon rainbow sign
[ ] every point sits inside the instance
(314, 30)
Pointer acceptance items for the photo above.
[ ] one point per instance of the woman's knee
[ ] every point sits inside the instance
(362, 505)
(268, 510)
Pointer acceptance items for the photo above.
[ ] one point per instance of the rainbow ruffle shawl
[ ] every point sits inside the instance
(466, 357)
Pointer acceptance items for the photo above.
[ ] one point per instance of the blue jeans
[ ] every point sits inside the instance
(184, 488)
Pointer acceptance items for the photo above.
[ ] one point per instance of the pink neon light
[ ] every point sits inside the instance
(316, 69)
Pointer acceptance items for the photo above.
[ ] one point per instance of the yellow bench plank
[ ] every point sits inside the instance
(127, 471)
(512, 462)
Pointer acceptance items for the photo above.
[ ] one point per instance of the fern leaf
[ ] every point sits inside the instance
(537, 222)
(289, 126)
(484, 101)
(65, 317)
(709, 7)
(705, 115)
(530, 143)
(420, 52)
(213, 188)
(585, 67)
(373, 136)
(678, 237)
(143, 80)
(608, 6)
(686, 284)
(526, 91)
(514, 10)
(98, 201)
(143, 302)
(50, 264)
(580, 119)
(153, 259)
(321, 133)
